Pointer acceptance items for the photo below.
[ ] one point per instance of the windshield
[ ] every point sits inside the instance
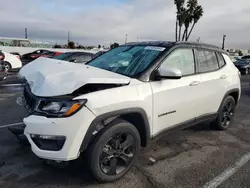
(127, 60)
(62, 56)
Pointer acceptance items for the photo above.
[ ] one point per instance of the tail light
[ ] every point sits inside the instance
(18, 56)
(2, 57)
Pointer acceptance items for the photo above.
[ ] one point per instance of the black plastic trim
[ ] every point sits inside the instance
(227, 94)
(186, 124)
(88, 137)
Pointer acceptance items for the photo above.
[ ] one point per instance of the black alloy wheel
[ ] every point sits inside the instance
(246, 71)
(227, 114)
(118, 153)
(113, 151)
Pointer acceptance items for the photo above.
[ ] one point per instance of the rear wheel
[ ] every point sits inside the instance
(225, 114)
(114, 150)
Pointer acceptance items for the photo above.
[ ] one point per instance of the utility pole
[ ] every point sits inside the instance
(223, 41)
(126, 39)
(26, 33)
(68, 36)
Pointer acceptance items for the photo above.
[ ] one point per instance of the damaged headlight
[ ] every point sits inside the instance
(60, 108)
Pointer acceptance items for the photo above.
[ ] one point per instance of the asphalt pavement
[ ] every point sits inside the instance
(195, 157)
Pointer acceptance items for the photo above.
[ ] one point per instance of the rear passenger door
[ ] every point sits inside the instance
(213, 80)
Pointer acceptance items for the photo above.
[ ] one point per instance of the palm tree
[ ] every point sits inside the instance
(179, 4)
(181, 19)
(191, 6)
(198, 13)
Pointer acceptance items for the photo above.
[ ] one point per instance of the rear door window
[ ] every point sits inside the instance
(207, 61)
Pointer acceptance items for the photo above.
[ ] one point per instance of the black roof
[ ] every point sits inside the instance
(170, 44)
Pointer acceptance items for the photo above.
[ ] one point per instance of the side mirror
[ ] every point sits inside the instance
(168, 73)
(73, 60)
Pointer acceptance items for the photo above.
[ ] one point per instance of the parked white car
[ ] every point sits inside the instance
(11, 61)
(121, 100)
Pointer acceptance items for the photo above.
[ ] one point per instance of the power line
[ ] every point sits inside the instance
(68, 36)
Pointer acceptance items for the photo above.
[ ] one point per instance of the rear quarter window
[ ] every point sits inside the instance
(221, 60)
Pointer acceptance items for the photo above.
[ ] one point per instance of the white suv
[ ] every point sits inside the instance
(121, 100)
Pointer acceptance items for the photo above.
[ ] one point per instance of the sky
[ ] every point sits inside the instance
(107, 21)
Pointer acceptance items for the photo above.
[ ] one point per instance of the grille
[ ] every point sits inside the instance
(30, 100)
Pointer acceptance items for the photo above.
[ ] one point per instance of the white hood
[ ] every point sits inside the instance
(51, 77)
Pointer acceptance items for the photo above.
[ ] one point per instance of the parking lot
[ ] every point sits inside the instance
(195, 157)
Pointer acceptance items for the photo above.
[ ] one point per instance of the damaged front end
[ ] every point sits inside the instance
(58, 106)
(51, 86)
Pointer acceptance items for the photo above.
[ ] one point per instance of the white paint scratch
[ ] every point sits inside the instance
(10, 125)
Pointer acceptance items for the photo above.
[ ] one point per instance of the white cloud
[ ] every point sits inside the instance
(93, 23)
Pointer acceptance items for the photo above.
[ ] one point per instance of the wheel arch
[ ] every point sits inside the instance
(234, 93)
(136, 116)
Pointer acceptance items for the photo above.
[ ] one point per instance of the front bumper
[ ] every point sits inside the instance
(73, 129)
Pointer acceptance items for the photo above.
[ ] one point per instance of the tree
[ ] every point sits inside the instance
(241, 53)
(179, 5)
(198, 13)
(71, 45)
(182, 20)
(57, 46)
(115, 45)
(187, 14)
(191, 5)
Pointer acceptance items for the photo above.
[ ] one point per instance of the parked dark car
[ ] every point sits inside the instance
(34, 55)
(77, 57)
(246, 57)
(243, 65)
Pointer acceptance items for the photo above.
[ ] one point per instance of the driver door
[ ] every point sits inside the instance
(176, 101)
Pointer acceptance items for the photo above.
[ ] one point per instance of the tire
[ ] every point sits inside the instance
(225, 114)
(107, 150)
(7, 66)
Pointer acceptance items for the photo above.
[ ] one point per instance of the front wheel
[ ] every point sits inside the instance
(225, 114)
(7, 66)
(114, 150)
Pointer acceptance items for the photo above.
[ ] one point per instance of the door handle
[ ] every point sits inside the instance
(194, 83)
(223, 77)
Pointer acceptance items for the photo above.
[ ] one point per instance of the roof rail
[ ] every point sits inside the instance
(198, 44)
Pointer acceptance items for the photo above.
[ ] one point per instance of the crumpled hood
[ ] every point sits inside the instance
(51, 77)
